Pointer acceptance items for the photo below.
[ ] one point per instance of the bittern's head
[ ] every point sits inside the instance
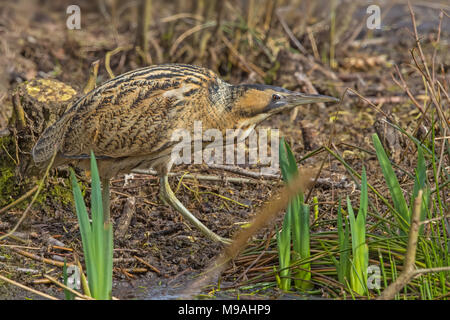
(252, 103)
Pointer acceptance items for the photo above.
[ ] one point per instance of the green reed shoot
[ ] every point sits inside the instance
(343, 266)
(97, 237)
(295, 228)
(68, 295)
(400, 204)
(360, 250)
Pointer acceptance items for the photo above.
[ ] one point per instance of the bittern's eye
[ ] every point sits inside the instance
(276, 97)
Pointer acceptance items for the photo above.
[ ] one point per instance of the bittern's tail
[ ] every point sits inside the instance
(49, 141)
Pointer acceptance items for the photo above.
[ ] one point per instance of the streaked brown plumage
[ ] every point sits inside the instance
(128, 121)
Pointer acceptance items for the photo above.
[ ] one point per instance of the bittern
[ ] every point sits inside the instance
(128, 122)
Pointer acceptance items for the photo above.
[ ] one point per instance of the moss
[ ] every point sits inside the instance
(45, 90)
(57, 195)
(62, 194)
(8, 188)
(56, 192)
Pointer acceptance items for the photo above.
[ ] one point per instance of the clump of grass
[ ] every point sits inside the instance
(295, 230)
(402, 212)
(97, 237)
(354, 270)
(367, 242)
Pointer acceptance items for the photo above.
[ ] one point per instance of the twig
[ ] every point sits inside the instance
(62, 248)
(312, 40)
(41, 281)
(27, 288)
(90, 85)
(441, 157)
(430, 270)
(147, 264)
(19, 269)
(369, 102)
(82, 296)
(182, 15)
(408, 266)
(244, 172)
(144, 15)
(36, 257)
(289, 32)
(426, 74)
(131, 270)
(188, 33)
(213, 177)
(227, 179)
(83, 279)
(275, 204)
(178, 275)
(19, 110)
(17, 246)
(303, 78)
(250, 66)
(108, 58)
(16, 202)
(125, 218)
(405, 87)
(303, 54)
(244, 274)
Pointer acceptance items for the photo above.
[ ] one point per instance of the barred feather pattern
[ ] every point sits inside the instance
(134, 114)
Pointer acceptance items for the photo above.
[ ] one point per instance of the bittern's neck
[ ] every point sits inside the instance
(221, 95)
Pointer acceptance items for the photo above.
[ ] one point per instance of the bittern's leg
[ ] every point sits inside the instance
(105, 200)
(168, 195)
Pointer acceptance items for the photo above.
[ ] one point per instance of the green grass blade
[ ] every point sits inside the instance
(302, 248)
(67, 294)
(420, 182)
(358, 274)
(393, 184)
(343, 270)
(108, 256)
(97, 284)
(97, 237)
(288, 166)
(298, 221)
(294, 211)
(362, 251)
(85, 228)
(284, 253)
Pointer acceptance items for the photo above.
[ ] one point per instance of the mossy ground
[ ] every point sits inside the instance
(9, 190)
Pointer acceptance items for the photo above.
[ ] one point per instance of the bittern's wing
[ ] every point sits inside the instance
(131, 115)
(123, 129)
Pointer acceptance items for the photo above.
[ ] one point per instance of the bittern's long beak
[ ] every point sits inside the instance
(296, 99)
(291, 99)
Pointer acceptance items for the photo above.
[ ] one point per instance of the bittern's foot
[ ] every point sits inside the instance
(168, 197)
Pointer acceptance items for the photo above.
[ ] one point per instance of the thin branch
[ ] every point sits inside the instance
(16, 202)
(408, 267)
(27, 288)
(82, 296)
